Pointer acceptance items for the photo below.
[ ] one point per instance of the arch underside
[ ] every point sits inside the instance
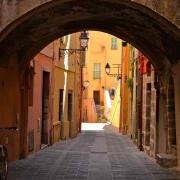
(156, 37)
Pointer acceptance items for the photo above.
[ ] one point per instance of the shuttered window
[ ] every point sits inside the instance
(97, 71)
(114, 43)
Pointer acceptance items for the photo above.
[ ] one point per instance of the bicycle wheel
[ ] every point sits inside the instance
(3, 162)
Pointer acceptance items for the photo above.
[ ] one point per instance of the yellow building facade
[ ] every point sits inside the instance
(115, 111)
(102, 49)
(67, 89)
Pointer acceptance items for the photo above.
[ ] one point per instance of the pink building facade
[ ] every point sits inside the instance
(40, 101)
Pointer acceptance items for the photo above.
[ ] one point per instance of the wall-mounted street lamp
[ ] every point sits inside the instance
(124, 43)
(85, 84)
(108, 70)
(83, 44)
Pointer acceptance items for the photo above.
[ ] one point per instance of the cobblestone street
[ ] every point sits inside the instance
(99, 154)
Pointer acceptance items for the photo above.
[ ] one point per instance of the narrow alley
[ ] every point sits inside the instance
(98, 153)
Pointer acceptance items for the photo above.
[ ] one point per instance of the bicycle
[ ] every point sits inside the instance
(3, 162)
(4, 156)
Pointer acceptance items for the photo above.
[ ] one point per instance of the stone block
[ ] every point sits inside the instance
(166, 160)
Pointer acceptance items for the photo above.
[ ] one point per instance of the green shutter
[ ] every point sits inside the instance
(97, 71)
(113, 43)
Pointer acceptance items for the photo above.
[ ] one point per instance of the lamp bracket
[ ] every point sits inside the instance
(118, 74)
(64, 52)
(115, 75)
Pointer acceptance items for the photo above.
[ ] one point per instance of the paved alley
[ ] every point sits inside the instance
(98, 153)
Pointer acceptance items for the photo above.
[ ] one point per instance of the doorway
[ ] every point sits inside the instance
(148, 114)
(61, 92)
(96, 97)
(45, 109)
(70, 110)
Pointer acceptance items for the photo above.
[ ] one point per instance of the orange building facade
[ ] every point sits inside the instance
(40, 105)
(148, 111)
(102, 49)
(124, 115)
(67, 89)
(51, 96)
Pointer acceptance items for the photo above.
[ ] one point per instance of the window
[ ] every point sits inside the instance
(114, 43)
(61, 104)
(112, 91)
(97, 71)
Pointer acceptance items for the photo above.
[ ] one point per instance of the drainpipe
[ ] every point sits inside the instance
(120, 113)
(81, 93)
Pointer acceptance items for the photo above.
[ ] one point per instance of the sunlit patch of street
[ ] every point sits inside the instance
(94, 126)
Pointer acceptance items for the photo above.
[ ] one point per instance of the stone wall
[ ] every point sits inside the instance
(11, 10)
(37, 23)
(171, 116)
(154, 111)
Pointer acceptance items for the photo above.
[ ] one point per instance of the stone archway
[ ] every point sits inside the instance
(31, 25)
(134, 22)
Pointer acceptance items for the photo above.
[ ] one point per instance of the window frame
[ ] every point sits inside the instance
(97, 71)
(114, 44)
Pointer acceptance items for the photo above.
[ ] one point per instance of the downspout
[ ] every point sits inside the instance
(120, 92)
(81, 93)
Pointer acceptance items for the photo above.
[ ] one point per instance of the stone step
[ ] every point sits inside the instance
(166, 160)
